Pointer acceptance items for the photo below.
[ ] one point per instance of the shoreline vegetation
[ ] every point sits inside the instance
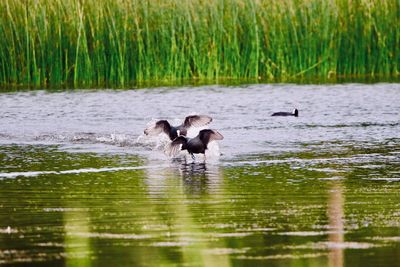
(117, 43)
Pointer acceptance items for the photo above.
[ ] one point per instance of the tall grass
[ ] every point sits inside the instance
(119, 42)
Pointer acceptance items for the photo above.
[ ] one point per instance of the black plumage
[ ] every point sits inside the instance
(294, 113)
(196, 145)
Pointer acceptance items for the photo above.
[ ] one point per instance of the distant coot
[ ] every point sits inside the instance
(196, 145)
(295, 113)
(163, 126)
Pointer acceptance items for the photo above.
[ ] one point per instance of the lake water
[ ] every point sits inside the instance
(81, 186)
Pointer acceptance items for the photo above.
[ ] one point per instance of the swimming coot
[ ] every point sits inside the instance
(196, 145)
(163, 126)
(295, 113)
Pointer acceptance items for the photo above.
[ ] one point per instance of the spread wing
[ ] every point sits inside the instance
(196, 120)
(215, 135)
(208, 135)
(173, 148)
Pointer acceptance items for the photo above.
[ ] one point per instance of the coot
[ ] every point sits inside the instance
(163, 126)
(196, 145)
(295, 113)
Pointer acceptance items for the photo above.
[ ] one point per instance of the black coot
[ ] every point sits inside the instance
(196, 145)
(295, 113)
(173, 132)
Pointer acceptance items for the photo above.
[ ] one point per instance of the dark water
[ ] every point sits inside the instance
(81, 186)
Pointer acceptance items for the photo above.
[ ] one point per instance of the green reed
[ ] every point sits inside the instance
(122, 42)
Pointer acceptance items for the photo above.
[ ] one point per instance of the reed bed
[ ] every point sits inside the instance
(122, 42)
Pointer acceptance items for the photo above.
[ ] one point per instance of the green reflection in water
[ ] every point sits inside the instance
(77, 247)
(193, 240)
(300, 209)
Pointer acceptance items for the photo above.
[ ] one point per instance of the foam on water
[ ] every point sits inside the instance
(76, 171)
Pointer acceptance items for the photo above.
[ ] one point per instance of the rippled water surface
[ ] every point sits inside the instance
(81, 186)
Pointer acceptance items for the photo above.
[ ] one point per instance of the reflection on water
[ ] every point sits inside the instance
(200, 177)
(77, 247)
(280, 212)
(318, 190)
(336, 217)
